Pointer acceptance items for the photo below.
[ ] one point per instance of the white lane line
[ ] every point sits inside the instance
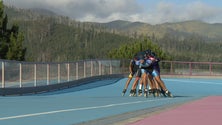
(76, 109)
(174, 80)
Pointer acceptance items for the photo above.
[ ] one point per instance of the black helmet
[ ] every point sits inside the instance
(135, 57)
(153, 54)
(140, 57)
(148, 51)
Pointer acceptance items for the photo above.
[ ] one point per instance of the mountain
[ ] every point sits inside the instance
(43, 12)
(52, 37)
(212, 31)
(208, 31)
(124, 25)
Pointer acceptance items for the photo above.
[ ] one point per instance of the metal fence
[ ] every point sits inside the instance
(179, 68)
(25, 74)
(15, 74)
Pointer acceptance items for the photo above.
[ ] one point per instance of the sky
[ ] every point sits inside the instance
(148, 11)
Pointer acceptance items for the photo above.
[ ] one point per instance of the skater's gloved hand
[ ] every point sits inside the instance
(130, 75)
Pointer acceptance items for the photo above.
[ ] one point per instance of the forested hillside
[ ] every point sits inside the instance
(210, 32)
(50, 37)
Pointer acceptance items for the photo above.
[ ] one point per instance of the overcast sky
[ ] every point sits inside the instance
(149, 11)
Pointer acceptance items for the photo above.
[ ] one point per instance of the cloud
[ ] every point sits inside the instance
(84, 9)
(201, 11)
(131, 10)
(170, 12)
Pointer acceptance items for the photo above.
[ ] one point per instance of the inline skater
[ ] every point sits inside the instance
(139, 55)
(144, 65)
(146, 71)
(133, 67)
(156, 74)
(144, 68)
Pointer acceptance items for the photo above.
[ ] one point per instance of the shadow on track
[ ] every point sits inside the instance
(85, 86)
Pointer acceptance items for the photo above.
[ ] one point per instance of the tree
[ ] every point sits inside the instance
(15, 49)
(127, 51)
(1, 11)
(11, 40)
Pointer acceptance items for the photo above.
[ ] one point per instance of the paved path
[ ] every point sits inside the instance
(101, 105)
(206, 111)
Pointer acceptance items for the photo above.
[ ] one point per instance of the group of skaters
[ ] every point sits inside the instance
(145, 67)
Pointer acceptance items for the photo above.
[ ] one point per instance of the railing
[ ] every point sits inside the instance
(179, 68)
(14, 74)
(25, 74)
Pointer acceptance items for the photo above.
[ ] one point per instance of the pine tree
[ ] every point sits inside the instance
(11, 40)
(15, 50)
(1, 11)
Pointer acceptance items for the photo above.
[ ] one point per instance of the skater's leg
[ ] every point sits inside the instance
(134, 86)
(140, 92)
(126, 85)
(145, 83)
(163, 86)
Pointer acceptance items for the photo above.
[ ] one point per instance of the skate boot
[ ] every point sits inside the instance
(158, 92)
(150, 91)
(124, 91)
(146, 93)
(163, 92)
(168, 93)
(132, 92)
(140, 93)
(155, 93)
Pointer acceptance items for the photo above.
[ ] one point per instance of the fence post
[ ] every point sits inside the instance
(35, 74)
(48, 74)
(20, 75)
(3, 75)
(190, 65)
(77, 71)
(91, 68)
(100, 68)
(58, 73)
(171, 67)
(110, 68)
(210, 66)
(84, 68)
(68, 72)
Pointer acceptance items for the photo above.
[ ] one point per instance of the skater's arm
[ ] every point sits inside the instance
(145, 64)
(131, 66)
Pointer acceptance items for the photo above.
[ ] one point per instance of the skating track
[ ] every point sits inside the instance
(90, 104)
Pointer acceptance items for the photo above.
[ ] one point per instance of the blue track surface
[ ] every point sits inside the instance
(90, 102)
